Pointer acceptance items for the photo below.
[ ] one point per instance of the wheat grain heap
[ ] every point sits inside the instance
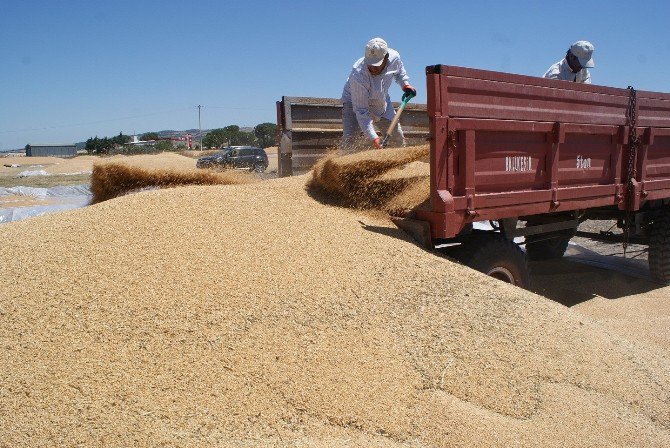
(256, 315)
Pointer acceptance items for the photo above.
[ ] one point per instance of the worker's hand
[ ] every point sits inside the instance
(410, 92)
(377, 142)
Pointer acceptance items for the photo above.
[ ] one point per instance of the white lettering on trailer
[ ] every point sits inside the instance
(583, 162)
(518, 163)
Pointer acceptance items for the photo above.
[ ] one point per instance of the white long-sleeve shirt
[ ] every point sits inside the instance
(368, 94)
(561, 70)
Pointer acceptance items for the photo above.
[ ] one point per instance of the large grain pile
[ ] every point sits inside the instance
(253, 315)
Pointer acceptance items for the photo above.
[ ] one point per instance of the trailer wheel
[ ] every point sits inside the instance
(548, 246)
(659, 246)
(496, 256)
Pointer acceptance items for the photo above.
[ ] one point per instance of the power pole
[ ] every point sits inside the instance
(199, 127)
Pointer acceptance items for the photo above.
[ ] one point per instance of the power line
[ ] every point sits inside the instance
(95, 122)
(241, 108)
(131, 117)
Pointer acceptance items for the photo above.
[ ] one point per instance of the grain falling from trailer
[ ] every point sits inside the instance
(365, 180)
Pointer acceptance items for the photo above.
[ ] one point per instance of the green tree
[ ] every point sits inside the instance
(266, 133)
(121, 139)
(90, 145)
(215, 138)
(97, 145)
(150, 136)
(245, 138)
(235, 136)
(165, 145)
(231, 134)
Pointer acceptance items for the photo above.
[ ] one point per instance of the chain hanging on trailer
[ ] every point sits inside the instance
(632, 170)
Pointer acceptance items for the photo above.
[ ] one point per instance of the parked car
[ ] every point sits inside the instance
(240, 157)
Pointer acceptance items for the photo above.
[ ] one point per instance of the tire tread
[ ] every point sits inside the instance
(659, 246)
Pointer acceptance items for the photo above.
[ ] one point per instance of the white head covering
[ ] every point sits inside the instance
(583, 50)
(375, 51)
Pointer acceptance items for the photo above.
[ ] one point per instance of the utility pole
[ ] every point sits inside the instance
(199, 127)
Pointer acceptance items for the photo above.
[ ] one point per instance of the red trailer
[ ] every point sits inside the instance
(536, 157)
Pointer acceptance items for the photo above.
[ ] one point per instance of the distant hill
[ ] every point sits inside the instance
(168, 133)
(194, 132)
(163, 134)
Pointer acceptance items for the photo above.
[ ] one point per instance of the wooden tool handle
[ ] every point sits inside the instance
(394, 122)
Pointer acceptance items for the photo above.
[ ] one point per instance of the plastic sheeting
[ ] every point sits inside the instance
(29, 173)
(60, 198)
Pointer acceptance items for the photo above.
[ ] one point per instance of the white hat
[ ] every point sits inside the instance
(583, 50)
(375, 51)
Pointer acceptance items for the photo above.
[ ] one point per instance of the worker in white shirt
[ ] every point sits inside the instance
(366, 99)
(574, 66)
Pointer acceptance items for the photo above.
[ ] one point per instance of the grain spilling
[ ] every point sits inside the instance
(113, 179)
(256, 315)
(386, 180)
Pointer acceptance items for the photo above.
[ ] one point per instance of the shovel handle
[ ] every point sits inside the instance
(389, 131)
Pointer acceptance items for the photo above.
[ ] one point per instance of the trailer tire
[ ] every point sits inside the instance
(496, 256)
(548, 246)
(659, 246)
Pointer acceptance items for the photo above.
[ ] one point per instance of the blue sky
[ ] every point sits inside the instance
(70, 70)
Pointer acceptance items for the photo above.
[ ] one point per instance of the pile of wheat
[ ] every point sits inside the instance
(255, 315)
